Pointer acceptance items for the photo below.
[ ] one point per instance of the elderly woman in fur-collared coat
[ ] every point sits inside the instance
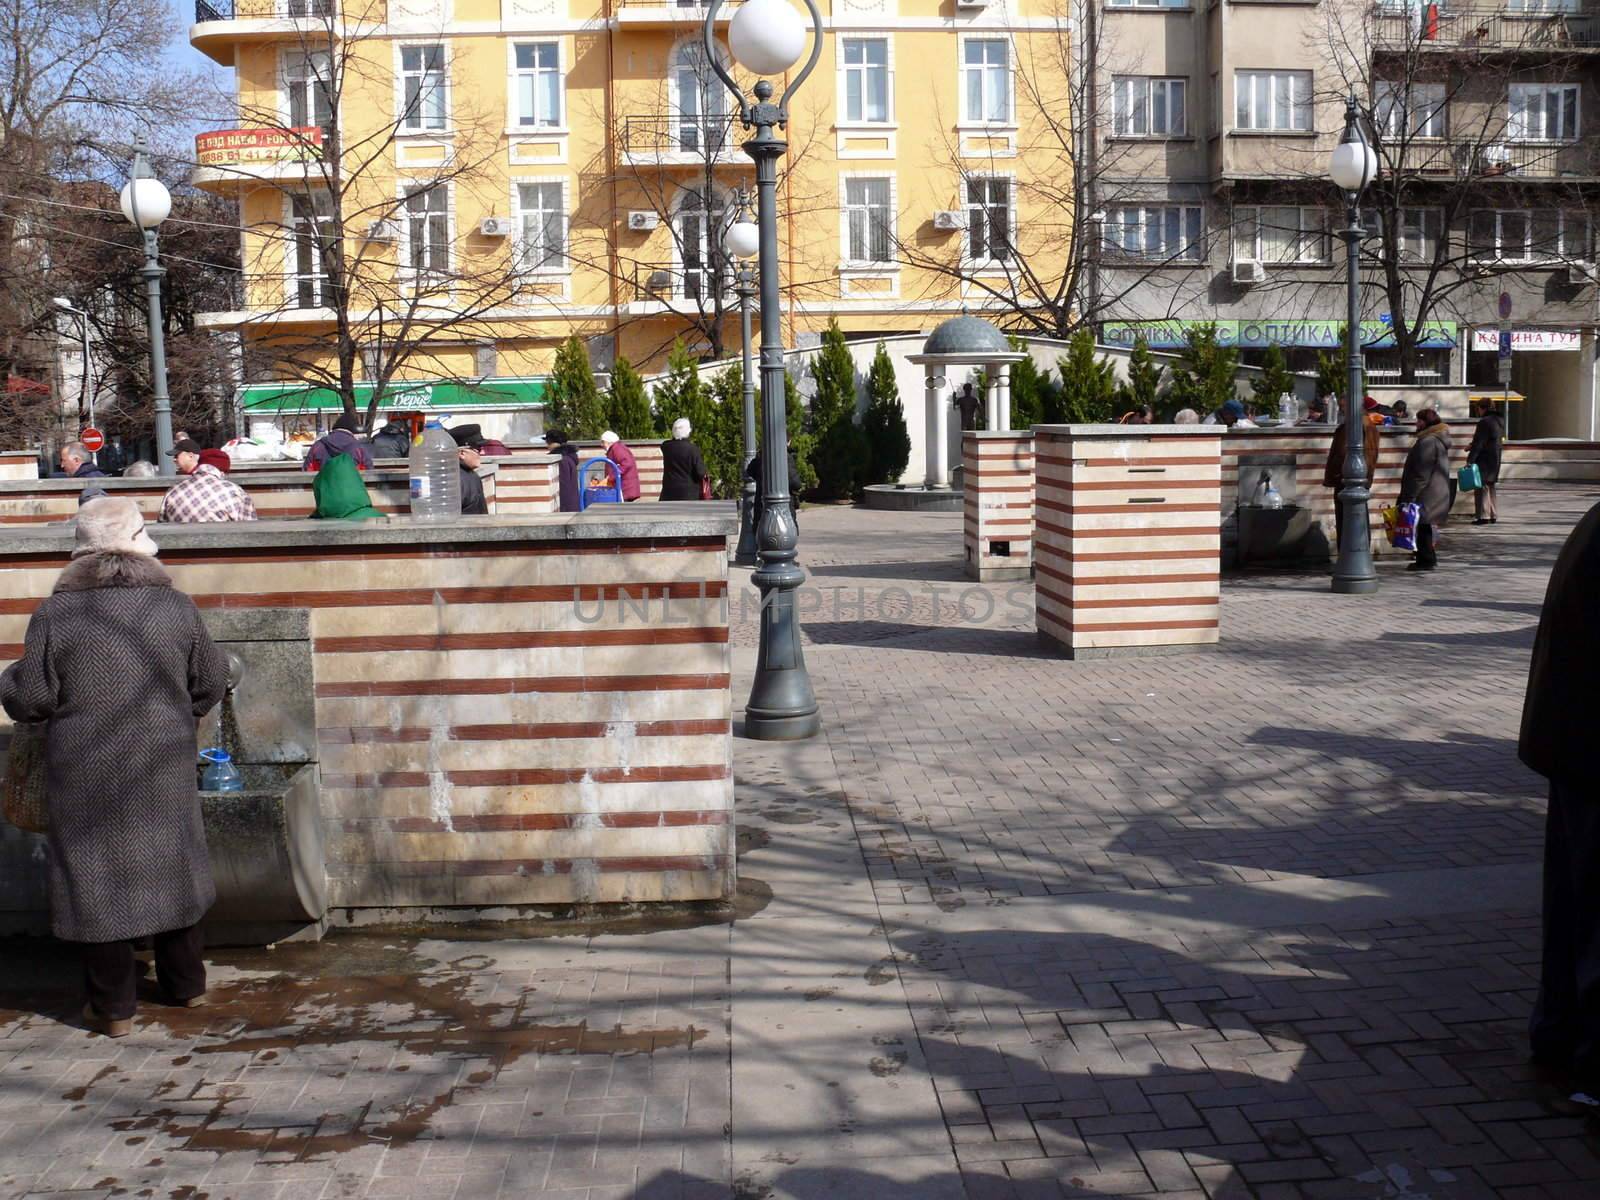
(119, 665)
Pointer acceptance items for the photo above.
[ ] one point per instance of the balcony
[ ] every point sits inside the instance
(222, 25)
(1445, 29)
(228, 159)
(1445, 159)
(669, 14)
(663, 287)
(687, 141)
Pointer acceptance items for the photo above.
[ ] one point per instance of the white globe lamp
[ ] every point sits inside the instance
(767, 37)
(742, 240)
(146, 202)
(1353, 165)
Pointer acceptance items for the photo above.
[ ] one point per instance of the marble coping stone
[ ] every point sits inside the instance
(603, 523)
(1128, 432)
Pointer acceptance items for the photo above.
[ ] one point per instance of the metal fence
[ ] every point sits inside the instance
(1448, 28)
(683, 135)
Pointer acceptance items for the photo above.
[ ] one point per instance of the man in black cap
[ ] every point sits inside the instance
(557, 443)
(472, 435)
(473, 502)
(1557, 723)
(186, 453)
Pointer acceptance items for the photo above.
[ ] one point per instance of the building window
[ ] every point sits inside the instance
(1148, 3)
(308, 82)
(1144, 106)
(699, 101)
(1417, 231)
(866, 80)
(1161, 232)
(868, 221)
(986, 65)
(538, 83)
(424, 88)
(1275, 101)
(308, 8)
(1543, 112)
(428, 232)
(989, 212)
(311, 242)
(1281, 234)
(541, 226)
(1410, 111)
(1523, 235)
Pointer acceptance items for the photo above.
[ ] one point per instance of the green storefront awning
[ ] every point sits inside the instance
(491, 395)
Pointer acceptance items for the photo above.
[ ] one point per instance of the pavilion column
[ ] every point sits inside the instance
(938, 433)
(999, 396)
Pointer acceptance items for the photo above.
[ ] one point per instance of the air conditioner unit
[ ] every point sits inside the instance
(1580, 273)
(383, 231)
(658, 281)
(1247, 271)
(950, 219)
(497, 227)
(970, 5)
(643, 220)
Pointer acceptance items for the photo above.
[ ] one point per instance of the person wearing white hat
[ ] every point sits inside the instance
(627, 469)
(118, 665)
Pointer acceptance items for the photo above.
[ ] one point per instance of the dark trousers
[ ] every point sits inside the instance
(1565, 1028)
(1427, 552)
(109, 976)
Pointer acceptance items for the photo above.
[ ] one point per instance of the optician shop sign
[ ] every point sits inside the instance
(1528, 339)
(1321, 335)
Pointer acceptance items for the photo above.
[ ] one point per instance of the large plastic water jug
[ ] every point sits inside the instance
(435, 475)
(220, 775)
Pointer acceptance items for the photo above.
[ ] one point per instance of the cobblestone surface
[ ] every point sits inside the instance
(1257, 922)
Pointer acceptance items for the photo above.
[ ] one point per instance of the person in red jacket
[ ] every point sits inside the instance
(627, 468)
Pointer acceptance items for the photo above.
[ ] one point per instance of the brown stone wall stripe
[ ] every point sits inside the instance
(513, 822)
(1147, 531)
(1140, 555)
(644, 635)
(1134, 626)
(1134, 460)
(564, 593)
(1149, 602)
(436, 869)
(525, 685)
(558, 549)
(1123, 509)
(1120, 580)
(360, 735)
(1135, 483)
(528, 776)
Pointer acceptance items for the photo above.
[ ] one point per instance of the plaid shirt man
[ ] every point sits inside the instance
(207, 495)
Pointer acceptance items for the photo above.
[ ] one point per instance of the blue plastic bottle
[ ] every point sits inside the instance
(220, 775)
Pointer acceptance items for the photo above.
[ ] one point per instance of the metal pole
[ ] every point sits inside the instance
(747, 551)
(1354, 573)
(88, 390)
(152, 273)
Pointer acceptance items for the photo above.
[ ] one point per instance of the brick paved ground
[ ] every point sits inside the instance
(1256, 922)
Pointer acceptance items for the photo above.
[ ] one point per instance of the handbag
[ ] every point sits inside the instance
(1469, 478)
(705, 488)
(25, 804)
(1405, 531)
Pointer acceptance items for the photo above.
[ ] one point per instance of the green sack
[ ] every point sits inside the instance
(340, 493)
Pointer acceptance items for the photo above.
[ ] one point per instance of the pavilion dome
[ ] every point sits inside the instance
(966, 334)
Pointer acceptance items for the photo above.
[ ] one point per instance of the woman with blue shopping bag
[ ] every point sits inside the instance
(1425, 482)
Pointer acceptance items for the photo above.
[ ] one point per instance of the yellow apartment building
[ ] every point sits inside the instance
(477, 180)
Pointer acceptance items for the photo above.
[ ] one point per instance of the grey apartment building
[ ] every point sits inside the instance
(1211, 126)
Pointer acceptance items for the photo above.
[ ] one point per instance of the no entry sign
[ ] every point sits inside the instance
(93, 440)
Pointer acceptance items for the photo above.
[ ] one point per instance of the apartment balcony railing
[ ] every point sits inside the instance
(670, 12)
(1519, 160)
(674, 283)
(680, 138)
(1446, 28)
(246, 10)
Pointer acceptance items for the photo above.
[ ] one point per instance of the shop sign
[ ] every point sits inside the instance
(243, 147)
(1252, 334)
(1528, 339)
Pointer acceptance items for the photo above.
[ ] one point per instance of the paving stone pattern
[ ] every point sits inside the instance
(1018, 927)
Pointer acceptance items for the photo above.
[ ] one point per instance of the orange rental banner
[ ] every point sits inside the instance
(237, 147)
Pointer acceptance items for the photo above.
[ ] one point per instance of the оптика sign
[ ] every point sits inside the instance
(1320, 335)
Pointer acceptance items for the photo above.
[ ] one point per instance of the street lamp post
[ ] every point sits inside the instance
(743, 240)
(146, 203)
(85, 390)
(1353, 166)
(767, 37)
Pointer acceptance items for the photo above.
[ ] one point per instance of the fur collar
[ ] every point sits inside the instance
(1441, 430)
(110, 570)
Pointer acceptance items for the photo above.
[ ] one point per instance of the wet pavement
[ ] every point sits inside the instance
(1254, 922)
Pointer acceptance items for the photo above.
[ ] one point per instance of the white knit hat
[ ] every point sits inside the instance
(608, 437)
(112, 525)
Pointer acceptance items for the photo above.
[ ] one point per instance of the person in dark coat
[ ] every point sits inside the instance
(567, 469)
(392, 441)
(1557, 728)
(472, 435)
(682, 467)
(473, 501)
(1426, 481)
(1484, 453)
(1333, 472)
(753, 472)
(343, 438)
(119, 664)
(76, 462)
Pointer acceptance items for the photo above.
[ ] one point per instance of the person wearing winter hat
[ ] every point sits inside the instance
(343, 438)
(204, 494)
(627, 469)
(118, 666)
(559, 444)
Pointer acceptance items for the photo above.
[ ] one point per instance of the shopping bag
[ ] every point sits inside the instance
(24, 801)
(1405, 532)
(1469, 478)
(1391, 521)
(705, 488)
